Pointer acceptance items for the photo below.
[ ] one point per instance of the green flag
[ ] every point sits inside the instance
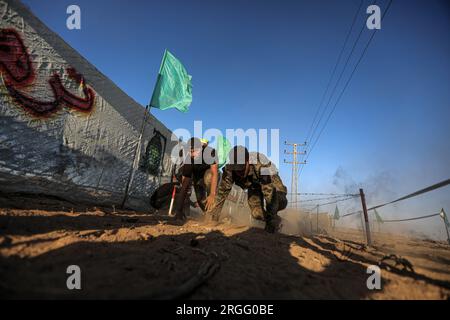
(336, 213)
(378, 217)
(223, 148)
(173, 88)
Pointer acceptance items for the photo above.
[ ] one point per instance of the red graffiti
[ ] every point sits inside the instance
(14, 58)
(16, 64)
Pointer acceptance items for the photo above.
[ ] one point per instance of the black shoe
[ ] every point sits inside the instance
(273, 225)
(179, 215)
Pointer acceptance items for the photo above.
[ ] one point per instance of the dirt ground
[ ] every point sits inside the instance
(125, 254)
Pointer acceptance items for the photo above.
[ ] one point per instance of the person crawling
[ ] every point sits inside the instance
(201, 168)
(256, 174)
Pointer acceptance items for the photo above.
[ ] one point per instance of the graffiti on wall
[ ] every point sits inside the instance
(17, 68)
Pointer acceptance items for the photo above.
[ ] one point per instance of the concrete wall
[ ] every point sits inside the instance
(66, 129)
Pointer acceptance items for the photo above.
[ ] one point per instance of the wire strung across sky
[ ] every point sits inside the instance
(416, 218)
(310, 131)
(333, 202)
(411, 195)
(338, 80)
(344, 88)
(321, 199)
(334, 71)
(324, 194)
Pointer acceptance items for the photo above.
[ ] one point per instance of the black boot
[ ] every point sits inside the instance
(273, 224)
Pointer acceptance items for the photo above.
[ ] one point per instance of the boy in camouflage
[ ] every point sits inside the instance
(255, 173)
(200, 168)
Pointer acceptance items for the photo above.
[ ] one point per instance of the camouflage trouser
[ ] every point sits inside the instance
(277, 201)
(201, 188)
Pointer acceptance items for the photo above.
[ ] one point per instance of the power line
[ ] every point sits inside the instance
(340, 200)
(348, 80)
(333, 202)
(325, 194)
(321, 199)
(347, 83)
(334, 70)
(337, 82)
(339, 78)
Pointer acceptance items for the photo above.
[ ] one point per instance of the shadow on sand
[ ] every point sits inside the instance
(251, 264)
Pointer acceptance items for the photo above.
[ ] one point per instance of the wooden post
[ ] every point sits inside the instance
(366, 217)
(443, 215)
(317, 218)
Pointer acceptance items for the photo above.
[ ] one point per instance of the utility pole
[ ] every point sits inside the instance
(295, 163)
(366, 217)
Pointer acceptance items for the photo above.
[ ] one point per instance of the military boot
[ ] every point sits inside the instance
(273, 224)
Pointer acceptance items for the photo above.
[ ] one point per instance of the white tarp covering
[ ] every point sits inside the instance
(66, 129)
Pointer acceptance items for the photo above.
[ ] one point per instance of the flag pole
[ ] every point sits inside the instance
(153, 94)
(139, 144)
(136, 157)
(157, 77)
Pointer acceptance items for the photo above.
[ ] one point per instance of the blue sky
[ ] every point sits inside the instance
(265, 64)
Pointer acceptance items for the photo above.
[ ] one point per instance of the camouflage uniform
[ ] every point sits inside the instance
(201, 187)
(200, 174)
(263, 184)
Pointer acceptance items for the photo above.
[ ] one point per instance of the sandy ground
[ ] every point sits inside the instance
(127, 254)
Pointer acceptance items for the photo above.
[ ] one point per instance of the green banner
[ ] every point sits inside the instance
(173, 87)
(377, 216)
(223, 148)
(336, 213)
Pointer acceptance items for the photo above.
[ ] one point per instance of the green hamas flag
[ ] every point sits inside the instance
(173, 88)
(378, 217)
(336, 214)
(223, 148)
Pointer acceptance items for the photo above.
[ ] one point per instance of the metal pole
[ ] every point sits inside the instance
(294, 178)
(172, 200)
(317, 218)
(443, 215)
(135, 158)
(361, 216)
(366, 217)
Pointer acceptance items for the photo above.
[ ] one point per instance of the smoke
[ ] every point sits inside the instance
(378, 187)
(293, 222)
(382, 187)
